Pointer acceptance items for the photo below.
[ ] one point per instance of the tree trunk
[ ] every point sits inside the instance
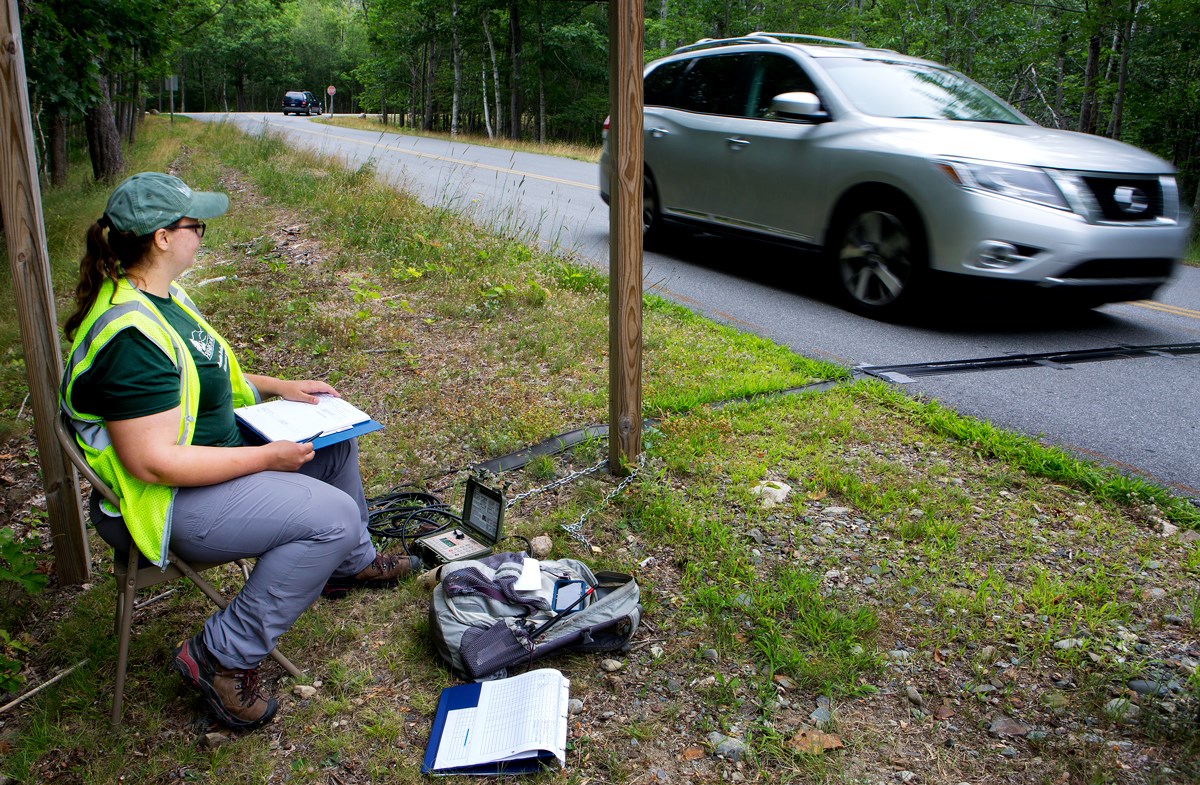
(430, 75)
(58, 148)
(1087, 108)
(495, 72)
(541, 76)
(487, 118)
(104, 142)
(514, 34)
(457, 56)
(239, 91)
(1061, 63)
(662, 17)
(1118, 108)
(135, 105)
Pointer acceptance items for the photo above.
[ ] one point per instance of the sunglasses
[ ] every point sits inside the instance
(198, 227)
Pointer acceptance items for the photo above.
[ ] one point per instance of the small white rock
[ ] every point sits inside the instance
(611, 666)
(772, 492)
(541, 546)
(304, 691)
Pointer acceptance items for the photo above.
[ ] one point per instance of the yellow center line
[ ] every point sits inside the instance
(447, 159)
(1175, 310)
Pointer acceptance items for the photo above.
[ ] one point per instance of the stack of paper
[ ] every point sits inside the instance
(326, 422)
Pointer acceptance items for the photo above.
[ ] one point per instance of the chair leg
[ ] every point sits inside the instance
(124, 623)
(221, 602)
(286, 664)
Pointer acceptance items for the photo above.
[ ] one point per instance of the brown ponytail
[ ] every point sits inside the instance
(107, 256)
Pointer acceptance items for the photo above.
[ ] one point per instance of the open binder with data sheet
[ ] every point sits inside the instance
(507, 726)
(329, 421)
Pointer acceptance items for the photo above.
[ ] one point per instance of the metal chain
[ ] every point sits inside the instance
(575, 475)
(576, 529)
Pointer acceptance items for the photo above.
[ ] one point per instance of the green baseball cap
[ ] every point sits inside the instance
(148, 201)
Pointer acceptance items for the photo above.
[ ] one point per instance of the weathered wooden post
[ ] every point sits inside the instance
(625, 33)
(25, 232)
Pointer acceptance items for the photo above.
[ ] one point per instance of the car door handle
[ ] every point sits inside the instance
(659, 133)
(737, 144)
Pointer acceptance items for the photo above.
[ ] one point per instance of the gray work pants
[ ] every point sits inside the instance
(301, 526)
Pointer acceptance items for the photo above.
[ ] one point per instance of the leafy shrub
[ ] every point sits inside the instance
(18, 567)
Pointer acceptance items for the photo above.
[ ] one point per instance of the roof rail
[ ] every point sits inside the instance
(709, 43)
(799, 38)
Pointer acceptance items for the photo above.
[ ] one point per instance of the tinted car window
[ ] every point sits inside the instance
(660, 84)
(913, 90)
(716, 85)
(773, 75)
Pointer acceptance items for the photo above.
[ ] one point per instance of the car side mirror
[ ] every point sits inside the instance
(798, 106)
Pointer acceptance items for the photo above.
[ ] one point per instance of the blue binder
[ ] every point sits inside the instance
(466, 696)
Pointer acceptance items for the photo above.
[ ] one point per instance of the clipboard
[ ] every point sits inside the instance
(466, 697)
(330, 421)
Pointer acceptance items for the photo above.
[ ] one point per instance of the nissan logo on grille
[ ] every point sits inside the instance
(1131, 200)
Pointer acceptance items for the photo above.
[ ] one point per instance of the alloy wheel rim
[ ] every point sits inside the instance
(875, 258)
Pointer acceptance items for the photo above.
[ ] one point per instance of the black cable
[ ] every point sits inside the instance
(407, 514)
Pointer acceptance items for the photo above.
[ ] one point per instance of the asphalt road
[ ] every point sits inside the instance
(1140, 412)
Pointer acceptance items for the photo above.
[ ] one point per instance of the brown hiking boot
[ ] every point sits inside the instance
(385, 570)
(232, 694)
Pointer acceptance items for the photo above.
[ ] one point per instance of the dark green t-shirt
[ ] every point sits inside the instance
(131, 377)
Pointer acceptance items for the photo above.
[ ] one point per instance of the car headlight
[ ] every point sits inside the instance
(1016, 182)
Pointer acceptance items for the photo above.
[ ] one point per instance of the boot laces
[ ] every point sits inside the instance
(247, 686)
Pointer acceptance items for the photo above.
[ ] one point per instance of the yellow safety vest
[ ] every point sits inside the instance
(146, 507)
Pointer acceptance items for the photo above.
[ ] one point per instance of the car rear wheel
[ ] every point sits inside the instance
(879, 258)
(654, 231)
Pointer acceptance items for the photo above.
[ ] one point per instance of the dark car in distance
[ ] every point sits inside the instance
(300, 102)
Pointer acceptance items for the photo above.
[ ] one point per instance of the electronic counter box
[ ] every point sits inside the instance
(482, 518)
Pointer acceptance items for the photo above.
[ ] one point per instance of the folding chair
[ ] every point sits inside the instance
(133, 571)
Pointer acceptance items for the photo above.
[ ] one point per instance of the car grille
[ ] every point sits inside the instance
(1127, 199)
(1120, 268)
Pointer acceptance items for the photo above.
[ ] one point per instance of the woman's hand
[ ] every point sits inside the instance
(148, 449)
(288, 456)
(303, 390)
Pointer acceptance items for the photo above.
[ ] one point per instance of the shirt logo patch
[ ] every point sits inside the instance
(204, 343)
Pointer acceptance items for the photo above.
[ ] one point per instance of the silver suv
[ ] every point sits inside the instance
(894, 168)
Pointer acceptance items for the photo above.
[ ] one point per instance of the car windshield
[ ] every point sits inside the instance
(892, 89)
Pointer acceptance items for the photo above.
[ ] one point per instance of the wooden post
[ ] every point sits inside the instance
(625, 32)
(25, 232)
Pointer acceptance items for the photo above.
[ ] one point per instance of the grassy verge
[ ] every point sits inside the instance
(562, 149)
(927, 577)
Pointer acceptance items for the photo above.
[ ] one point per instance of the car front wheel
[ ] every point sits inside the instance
(879, 258)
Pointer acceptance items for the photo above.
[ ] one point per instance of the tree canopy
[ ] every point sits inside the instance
(538, 69)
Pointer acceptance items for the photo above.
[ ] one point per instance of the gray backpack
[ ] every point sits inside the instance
(483, 626)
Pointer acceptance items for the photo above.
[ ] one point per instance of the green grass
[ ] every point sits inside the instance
(907, 526)
(562, 149)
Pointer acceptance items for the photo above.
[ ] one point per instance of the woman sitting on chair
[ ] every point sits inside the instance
(150, 388)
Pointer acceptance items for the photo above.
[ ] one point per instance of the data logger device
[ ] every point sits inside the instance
(482, 519)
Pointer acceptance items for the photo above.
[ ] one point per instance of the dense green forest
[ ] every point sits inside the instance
(537, 69)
